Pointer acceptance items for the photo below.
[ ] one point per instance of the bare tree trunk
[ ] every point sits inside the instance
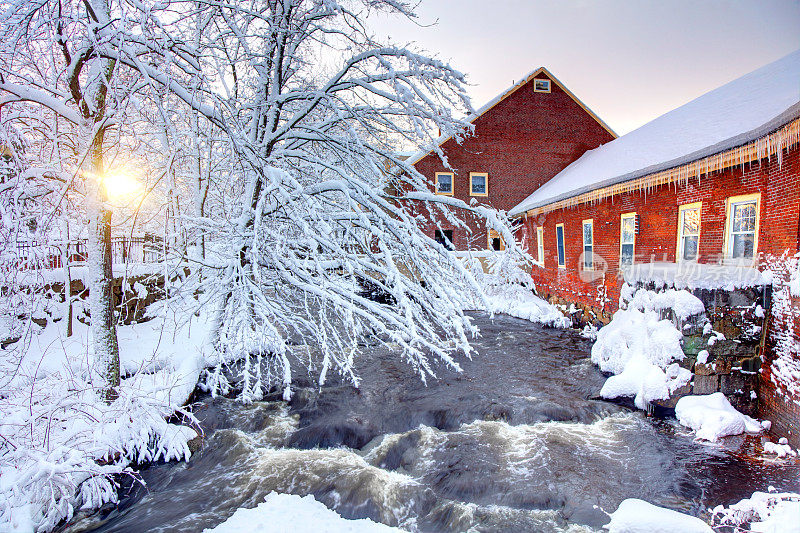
(101, 293)
(65, 260)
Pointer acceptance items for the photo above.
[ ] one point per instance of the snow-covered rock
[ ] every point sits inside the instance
(641, 349)
(765, 512)
(712, 416)
(285, 513)
(639, 516)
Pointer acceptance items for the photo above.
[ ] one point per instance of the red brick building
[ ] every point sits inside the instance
(716, 181)
(522, 138)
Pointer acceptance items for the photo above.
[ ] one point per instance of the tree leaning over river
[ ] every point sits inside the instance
(308, 196)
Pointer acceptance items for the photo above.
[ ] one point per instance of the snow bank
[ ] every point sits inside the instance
(641, 349)
(81, 272)
(289, 513)
(638, 516)
(712, 416)
(62, 443)
(763, 512)
(781, 449)
(509, 290)
(688, 275)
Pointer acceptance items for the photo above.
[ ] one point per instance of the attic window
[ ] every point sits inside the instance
(541, 86)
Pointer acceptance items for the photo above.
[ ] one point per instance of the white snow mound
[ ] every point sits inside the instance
(641, 349)
(287, 513)
(712, 416)
(638, 516)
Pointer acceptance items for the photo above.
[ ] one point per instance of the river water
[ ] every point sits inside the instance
(512, 443)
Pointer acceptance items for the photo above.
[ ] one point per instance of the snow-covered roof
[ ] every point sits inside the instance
(739, 112)
(417, 156)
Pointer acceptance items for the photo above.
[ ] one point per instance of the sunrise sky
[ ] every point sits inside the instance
(628, 60)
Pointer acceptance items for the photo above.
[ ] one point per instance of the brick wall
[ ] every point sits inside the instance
(521, 142)
(779, 186)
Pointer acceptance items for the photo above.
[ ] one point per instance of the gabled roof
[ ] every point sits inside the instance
(737, 113)
(414, 159)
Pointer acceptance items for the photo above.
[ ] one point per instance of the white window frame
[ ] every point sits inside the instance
(587, 265)
(730, 202)
(681, 210)
(452, 183)
(485, 176)
(622, 217)
(544, 80)
(563, 254)
(540, 244)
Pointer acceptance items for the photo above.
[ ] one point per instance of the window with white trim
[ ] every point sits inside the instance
(444, 183)
(540, 244)
(562, 261)
(588, 244)
(741, 228)
(478, 184)
(689, 231)
(627, 239)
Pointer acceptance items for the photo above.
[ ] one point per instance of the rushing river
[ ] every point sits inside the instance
(513, 443)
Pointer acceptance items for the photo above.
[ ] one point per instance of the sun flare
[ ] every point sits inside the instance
(121, 186)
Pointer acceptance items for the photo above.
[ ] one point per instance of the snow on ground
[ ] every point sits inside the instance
(642, 350)
(509, 290)
(712, 416)
(287, 513)
(62, 442)
(763, 512)
(639, 516)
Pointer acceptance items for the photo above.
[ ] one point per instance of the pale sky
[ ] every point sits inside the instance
(628, 60)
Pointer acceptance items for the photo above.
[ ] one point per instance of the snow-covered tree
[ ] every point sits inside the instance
(293, 115)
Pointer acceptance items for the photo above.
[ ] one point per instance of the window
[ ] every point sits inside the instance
(588, 244)
(689, 231)
(741, 228)
(495, 242)
(445, 238)
(478, 184)
(541, 86)
(627, 239)
(540, 244)
(444, 183)
(560, 245)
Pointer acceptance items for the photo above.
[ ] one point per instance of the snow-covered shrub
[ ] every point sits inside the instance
(62, 444)
(641, 348)
(785, 367)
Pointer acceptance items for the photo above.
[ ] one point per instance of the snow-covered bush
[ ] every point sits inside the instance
(641, 348)
(62, 445)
